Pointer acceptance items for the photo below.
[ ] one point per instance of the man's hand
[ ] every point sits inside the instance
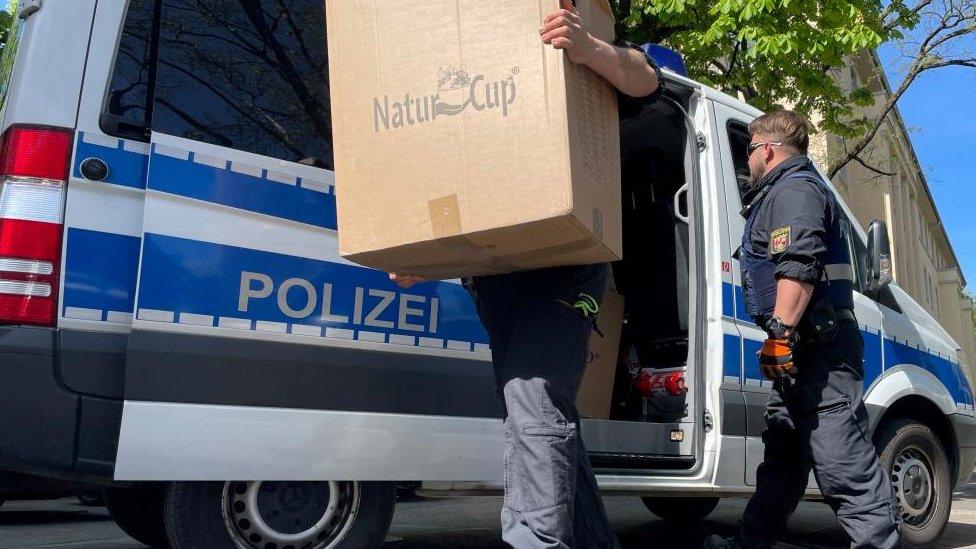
(564, 30)
(626, 68)
(776, 358)
(406, 281)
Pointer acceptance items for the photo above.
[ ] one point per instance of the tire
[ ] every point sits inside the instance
(682, 510)
(138, 511)
(919, 470)
(280, 515)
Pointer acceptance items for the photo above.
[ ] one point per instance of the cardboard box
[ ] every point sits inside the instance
(596, 391)
(463, 144)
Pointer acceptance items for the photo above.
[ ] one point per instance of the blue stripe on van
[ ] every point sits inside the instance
(740, 305)
(750, 365)
(100, 270)
(732, 356)
(185, 177)
(728, 299)
(125, 168)
(204, 279)
(949, 373)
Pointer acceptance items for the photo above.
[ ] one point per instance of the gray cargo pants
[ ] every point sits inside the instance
(819, 421)
(539, 351)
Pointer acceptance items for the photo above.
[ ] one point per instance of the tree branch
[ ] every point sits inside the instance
(921, 63)
(872, 168)
(894, 23)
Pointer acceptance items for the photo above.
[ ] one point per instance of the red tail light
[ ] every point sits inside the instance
(33, 175)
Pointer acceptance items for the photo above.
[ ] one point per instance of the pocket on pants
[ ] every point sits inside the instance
(548, 466)
(508, 471)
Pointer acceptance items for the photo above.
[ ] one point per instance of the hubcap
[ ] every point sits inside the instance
(911, 475)
(289, 515)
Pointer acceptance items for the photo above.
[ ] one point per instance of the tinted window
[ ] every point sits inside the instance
(858, 252)
(860, 260)
(126, 110)
(739, 146)
(246, 74)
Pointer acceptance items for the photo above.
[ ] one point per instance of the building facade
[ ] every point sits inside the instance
(891, 186)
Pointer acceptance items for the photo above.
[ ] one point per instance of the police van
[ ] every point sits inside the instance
(178, 328)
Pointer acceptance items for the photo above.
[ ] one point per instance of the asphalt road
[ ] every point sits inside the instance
(465, 523)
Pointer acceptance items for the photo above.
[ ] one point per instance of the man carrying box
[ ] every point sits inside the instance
(539, 325)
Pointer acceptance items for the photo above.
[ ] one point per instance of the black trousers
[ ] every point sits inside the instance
(539, 346)
(819, 421)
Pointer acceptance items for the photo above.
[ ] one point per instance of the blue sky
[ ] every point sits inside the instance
(941, 115)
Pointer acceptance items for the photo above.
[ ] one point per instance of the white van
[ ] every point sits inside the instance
(177, 325)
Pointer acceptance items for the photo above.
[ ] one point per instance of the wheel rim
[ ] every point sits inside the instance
(289, 515)
(912, 477)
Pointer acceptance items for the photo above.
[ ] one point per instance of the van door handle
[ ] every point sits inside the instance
(677, 204)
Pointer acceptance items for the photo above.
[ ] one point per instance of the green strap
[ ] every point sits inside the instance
(587, 305)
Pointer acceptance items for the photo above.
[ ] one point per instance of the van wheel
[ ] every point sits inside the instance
(278, 515)
(681, 509)
(919, 472)
(138, 511)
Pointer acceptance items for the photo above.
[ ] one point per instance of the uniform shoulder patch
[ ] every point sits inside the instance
(779, 240)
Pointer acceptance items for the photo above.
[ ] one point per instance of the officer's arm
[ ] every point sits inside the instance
(626, 68)
(797, 243)
(792, 298)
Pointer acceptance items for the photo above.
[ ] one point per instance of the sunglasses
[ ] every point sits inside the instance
(753, 146)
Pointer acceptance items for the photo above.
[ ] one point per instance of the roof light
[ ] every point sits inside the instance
(666, 58)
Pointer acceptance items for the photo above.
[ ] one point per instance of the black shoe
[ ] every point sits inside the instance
(716, 541)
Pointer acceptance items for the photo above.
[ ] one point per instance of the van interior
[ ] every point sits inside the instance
(652, 410)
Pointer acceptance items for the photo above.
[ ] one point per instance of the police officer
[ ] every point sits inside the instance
(798, 286)
(539, 324)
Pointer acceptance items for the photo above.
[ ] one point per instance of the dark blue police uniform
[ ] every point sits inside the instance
(538, 325)
(815, 419)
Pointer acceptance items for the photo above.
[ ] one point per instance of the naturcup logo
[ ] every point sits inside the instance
(456, 91)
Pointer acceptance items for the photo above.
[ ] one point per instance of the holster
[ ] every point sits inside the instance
(820, 322)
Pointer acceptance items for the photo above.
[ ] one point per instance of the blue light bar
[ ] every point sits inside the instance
(666, 58)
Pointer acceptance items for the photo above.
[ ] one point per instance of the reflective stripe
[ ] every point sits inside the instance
(838, 271)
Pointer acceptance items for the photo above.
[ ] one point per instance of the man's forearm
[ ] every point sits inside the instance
(792, 298)
(625, 68)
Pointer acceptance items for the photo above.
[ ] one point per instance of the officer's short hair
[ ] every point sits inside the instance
(787, 127)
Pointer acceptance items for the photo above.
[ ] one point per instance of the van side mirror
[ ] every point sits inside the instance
(879, 256)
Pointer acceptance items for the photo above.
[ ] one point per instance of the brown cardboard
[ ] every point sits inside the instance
(463, 144)
(596, 390)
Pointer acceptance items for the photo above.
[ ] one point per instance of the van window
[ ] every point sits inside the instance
(249, 75)
(858, 252)
(126, 112)
(860, 261)
(739, 140)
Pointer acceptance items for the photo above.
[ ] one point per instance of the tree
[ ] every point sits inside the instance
(6, 19)
(778, 52)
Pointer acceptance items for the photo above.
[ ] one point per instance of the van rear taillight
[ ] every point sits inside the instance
(33, 174)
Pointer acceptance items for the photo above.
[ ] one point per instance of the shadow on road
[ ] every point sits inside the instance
(967, 491)
(26, 518)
